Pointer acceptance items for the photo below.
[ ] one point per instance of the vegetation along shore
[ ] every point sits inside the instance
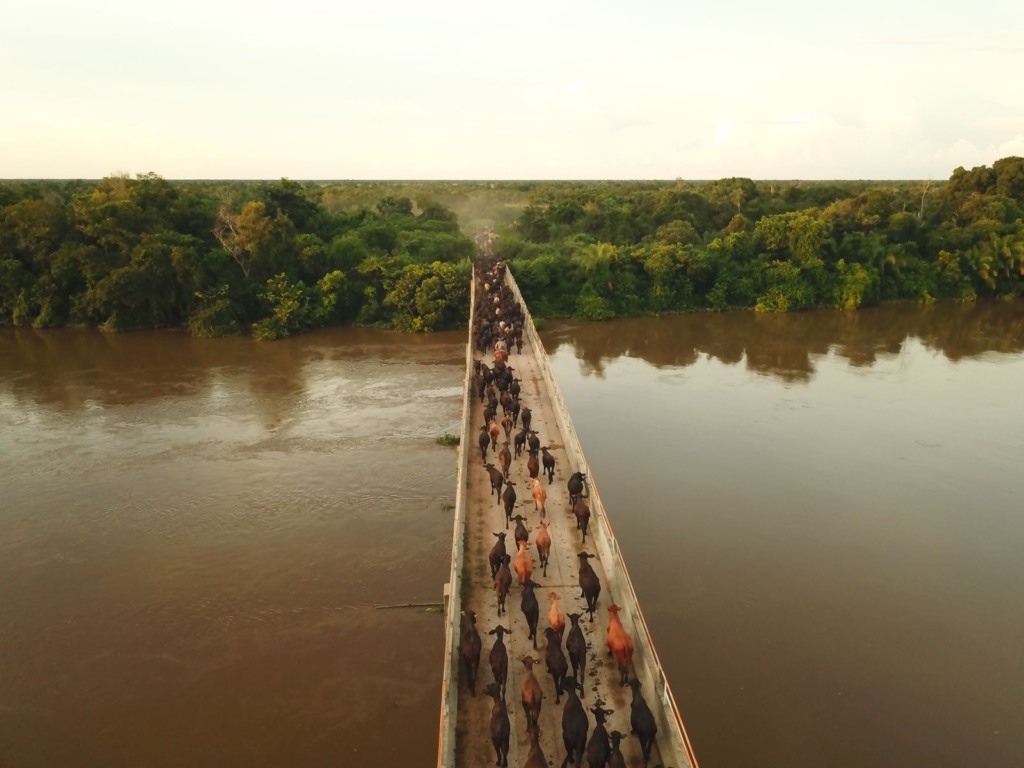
(278, 258)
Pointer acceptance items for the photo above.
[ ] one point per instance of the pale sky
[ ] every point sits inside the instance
(634, 89)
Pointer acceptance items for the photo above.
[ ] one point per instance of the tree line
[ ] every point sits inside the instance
(281, 257)
(602, 250)
(218, 258)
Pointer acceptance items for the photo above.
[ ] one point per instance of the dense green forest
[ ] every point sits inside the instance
(220, 258)
(604, 250)
(281, 257)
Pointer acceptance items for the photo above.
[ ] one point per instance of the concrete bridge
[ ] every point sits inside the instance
(464, 739)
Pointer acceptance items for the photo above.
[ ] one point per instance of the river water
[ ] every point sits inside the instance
(823, 517)
(821, 513)
(194, 534)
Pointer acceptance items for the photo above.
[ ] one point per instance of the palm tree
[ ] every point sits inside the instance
(982, 259)
(1009, 251)
(596, 260)
(1001, 257)
(875, 253)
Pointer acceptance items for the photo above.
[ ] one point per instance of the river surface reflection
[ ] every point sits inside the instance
(822, 515)
(194, 534)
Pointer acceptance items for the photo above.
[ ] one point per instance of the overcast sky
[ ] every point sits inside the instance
(390, 89)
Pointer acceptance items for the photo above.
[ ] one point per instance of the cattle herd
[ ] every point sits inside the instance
(497, 329)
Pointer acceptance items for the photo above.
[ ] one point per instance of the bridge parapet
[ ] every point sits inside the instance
(645, 660)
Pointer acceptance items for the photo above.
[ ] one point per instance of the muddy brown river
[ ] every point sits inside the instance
(194, 535)
(822, 515)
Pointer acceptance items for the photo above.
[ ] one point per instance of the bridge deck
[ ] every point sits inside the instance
(470, 743)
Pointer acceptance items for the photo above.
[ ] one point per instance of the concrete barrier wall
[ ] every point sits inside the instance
(453, 589)
(673, 741)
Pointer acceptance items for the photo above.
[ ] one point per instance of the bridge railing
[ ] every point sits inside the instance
(619, 587)
(453, 589)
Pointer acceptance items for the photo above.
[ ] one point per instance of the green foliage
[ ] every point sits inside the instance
(590, 306)
(799, 236)
(1009, 173)
(332, 292)
(533, 225)
(218, 258)
(289, 309)
(609, 249)
(731, 194)
(394, 206)
(787, 290)
(424, 247)
(448, 439)
(854, 282)
(660, 262)
(144, 252)
(215, 314)
(429, 297)
(679, 232)
(292, 201)
(953, 281)
(14, 284)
